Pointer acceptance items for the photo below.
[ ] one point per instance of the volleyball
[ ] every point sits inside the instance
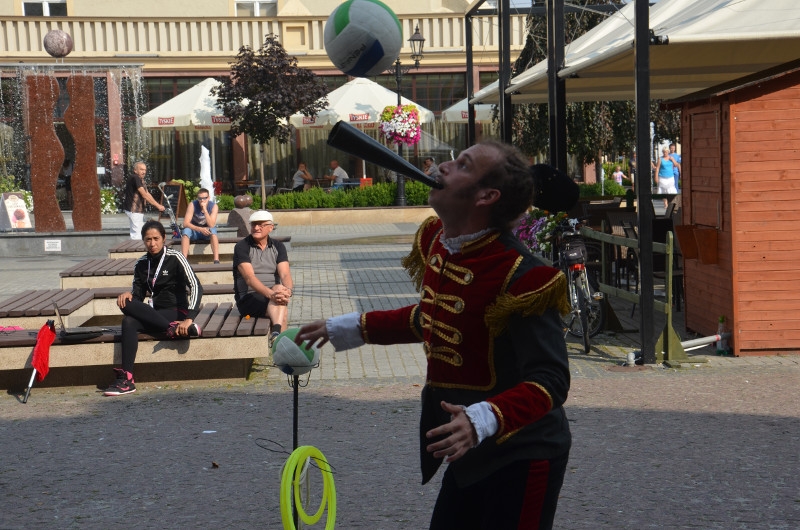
(291, 358)
(363, 37)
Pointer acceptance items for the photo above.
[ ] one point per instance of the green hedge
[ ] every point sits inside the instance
(377, 195)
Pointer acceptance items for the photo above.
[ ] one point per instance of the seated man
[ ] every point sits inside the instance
(262, 282)
(336, 174)
(200, 223)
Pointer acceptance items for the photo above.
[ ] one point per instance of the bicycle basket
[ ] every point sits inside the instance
(574, 252)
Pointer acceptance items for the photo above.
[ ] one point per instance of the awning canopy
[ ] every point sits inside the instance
(459, 113)
(695, 45)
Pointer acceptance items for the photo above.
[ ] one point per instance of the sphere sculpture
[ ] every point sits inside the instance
(58, 43)
(243, 201)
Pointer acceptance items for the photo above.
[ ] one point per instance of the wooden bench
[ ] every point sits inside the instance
(225, 335)
(199, 251)
(106, 272)
(31, 308)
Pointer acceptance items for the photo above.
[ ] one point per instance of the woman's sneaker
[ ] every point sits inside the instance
(193, 331)
(123, 384)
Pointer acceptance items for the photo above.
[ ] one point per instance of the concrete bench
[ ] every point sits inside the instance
(106, 272)
(225, 335)
(30, 309)
(199, 251)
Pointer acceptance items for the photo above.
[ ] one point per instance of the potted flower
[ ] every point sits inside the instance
(400, 124)
(535, 229)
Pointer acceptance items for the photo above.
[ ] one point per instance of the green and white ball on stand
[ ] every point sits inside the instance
(291, 358)
(363, 37)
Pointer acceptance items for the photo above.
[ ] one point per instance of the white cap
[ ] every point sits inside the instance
(260, 215)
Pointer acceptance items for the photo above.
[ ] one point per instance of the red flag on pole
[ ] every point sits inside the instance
(41, 352)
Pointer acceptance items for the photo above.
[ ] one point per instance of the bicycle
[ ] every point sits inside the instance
(587, 316)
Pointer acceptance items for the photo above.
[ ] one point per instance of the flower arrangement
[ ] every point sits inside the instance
(400, 124)
(108, 201)
(535, 228)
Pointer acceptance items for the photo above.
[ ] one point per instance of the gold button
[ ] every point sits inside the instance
(459, 306)
(468, 277)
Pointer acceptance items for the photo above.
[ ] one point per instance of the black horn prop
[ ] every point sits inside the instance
(347, 138)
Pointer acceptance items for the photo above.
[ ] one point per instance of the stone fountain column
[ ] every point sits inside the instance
(46, 152)
(79, 119)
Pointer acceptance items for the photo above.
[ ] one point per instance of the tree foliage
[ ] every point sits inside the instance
(266, 87)
(593, 127)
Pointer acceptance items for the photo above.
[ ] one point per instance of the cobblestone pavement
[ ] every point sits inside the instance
(710, 445)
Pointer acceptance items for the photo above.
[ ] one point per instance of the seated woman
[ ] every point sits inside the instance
(165, 298)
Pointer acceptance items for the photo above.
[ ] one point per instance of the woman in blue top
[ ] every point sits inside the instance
(665, 173)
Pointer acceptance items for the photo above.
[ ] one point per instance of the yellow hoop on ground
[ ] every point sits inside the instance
(294, 467)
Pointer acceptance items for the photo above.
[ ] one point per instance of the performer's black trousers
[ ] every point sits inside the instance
(522, 495)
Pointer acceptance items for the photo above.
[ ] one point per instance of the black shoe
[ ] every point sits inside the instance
(123, 384)
(272, 337)
(216, 261)
(194, 330)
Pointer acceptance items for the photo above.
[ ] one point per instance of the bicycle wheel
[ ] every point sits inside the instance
(570, 321)
(583, 308)
(597, 309)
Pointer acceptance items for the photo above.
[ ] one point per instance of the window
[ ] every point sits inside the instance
(48, 8)
(256, 8)
(161, 89)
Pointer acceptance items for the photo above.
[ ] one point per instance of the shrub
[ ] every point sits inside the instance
(189, 188)
(595, 190)
(108, 201)
(225, 202)
(377, 195)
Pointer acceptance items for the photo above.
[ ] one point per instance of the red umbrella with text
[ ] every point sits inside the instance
(41, 355)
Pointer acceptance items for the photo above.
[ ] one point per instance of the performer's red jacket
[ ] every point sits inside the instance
(488, 318)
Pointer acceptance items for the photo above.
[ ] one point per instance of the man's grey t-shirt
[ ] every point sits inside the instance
(264, 262)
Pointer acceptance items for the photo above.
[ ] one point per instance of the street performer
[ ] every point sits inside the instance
(488, 318)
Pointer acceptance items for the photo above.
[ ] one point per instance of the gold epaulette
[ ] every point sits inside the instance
(552, 294)
(415, 262)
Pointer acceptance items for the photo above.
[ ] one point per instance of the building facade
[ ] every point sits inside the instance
(181, 42)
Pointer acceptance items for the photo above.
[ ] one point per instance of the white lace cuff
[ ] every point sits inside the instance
(483, 419)
(344, 331)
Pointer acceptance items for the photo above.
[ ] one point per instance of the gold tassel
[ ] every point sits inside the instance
(414, 263)
(554, 294)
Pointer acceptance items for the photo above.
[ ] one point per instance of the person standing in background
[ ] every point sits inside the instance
(136, 195)
(618, 175)
(674, 154)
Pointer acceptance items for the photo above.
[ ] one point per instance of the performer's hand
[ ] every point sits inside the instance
(315, 332)
(460, 435)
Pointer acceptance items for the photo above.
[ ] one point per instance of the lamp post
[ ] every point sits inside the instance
(417, 41)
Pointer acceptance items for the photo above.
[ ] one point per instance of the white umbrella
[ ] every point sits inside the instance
(193, 110)
(357, 102)
(459, 112)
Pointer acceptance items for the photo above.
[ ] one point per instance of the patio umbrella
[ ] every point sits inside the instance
(193, 110)
(459, 112)
(357, 102)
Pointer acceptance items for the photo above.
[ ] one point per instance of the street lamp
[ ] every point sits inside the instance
(417, 41)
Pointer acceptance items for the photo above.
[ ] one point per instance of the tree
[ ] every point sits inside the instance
(266, 87)
(593, 127)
